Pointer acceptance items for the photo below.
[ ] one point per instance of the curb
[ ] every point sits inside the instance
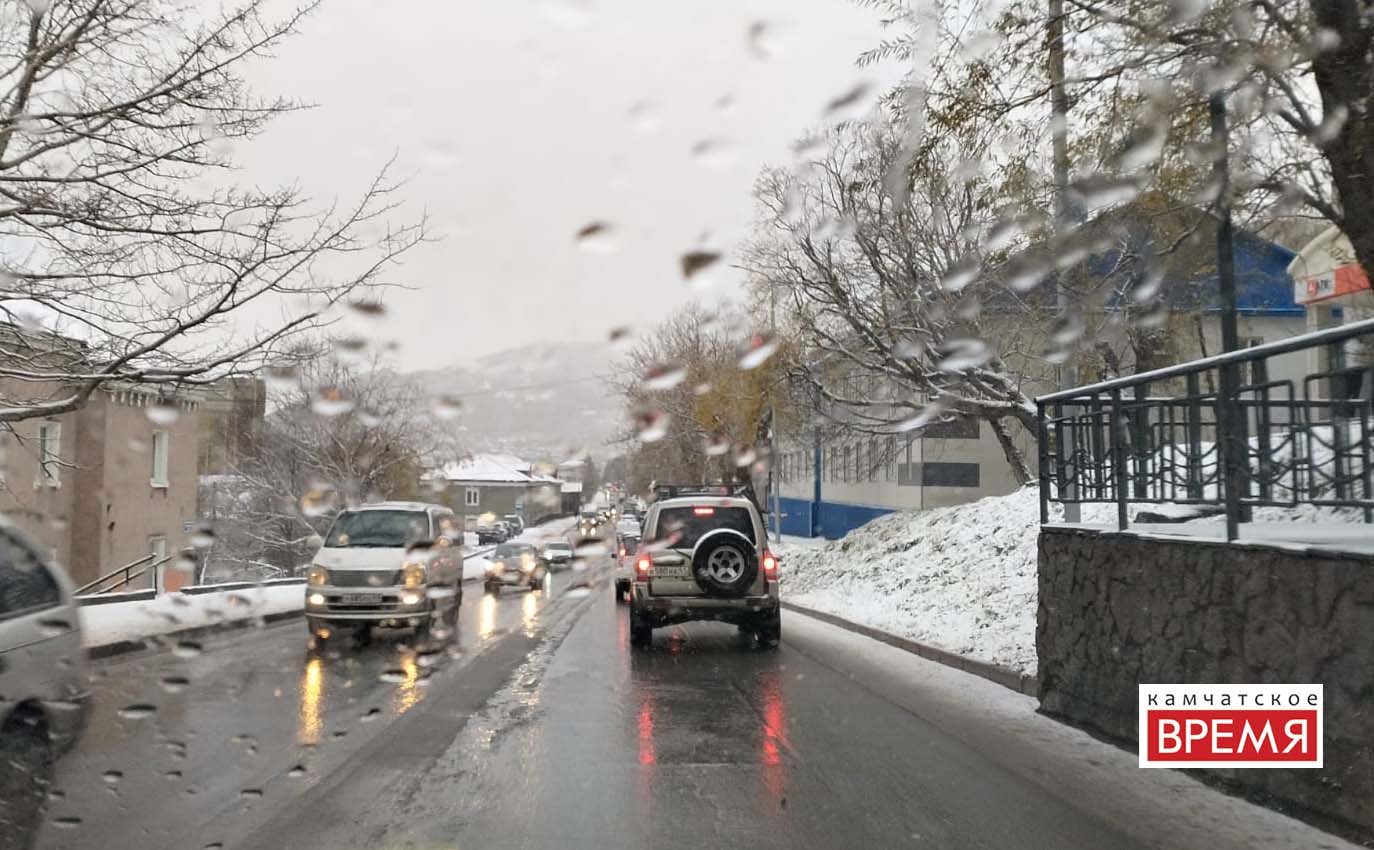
(1022, 683)
(123, 647)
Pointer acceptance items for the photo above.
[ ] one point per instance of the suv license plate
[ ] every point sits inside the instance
(682, 571)
(360, 599)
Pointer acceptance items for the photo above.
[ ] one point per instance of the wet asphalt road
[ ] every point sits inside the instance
(543, 729)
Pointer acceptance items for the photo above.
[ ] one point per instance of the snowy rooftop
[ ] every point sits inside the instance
(490, 468)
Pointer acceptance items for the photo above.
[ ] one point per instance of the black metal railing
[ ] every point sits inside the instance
(122, 577)
(1278, 424)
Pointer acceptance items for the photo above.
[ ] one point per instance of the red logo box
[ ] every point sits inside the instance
(1231, 726)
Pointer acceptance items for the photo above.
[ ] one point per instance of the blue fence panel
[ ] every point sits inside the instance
(796, 517)
(837, 519)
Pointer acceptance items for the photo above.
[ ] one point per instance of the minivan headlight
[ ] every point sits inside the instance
(317, 576)
(413, 574)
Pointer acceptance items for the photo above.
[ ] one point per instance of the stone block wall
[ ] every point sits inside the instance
(1117, 610)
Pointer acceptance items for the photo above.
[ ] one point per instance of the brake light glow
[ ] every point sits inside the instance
(703, 511)
(642, 564)
(770, 565)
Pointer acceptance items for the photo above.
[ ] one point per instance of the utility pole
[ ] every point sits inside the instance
(1235, 440)
(773, 422)
(1065, 218)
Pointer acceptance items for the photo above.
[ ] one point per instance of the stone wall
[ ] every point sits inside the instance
(1117, 610)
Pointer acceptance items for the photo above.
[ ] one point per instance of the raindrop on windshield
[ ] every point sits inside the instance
(846, 104)
(596, 237)
(713, 153)
(162, 413)
(112, 777)
(961, 274)
(251, 793)
(369, 309)
(174, 684)
(67, 822)
(745, 455)
(695, 262)
(757, 349)
(620, 337)
(393, 676)
(664, 376)
(980, 44)
(331, 401)
(961, 354)
(716, 445)
(447, 407)
(203, 536)
(930, 413)
(652, 425)
(281, 376)
(137, 711)
(187, 649)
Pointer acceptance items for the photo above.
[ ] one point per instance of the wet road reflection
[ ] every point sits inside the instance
(311, 689)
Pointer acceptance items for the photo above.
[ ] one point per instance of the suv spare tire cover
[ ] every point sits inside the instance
(729, 573)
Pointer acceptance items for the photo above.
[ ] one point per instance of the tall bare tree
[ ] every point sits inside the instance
(119, 226)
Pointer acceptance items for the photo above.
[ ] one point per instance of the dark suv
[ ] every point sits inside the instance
(705, 557)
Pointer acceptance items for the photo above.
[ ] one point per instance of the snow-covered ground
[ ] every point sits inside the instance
(173, 612)
(964, 578)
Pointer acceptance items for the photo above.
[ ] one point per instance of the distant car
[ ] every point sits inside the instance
(588, 522)
(705, 557)
(516, 524)
(627, 525)
(43, 702)
(515, 565)
(558, 554)
(626, 548)
(389, 564)
(492, 532)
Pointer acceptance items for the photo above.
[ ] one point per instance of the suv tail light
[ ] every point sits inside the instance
(770, 565)
(642, 564)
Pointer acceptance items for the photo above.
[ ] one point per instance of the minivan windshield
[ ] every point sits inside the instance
(378, 529)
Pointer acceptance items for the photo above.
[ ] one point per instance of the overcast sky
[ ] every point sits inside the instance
(514, 121)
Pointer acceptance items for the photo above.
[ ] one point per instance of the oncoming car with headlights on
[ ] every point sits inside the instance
(390, 564)
(516, 565)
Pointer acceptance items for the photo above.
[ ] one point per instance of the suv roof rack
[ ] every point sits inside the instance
(673, 491)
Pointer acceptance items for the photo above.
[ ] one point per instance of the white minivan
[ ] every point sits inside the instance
(389, 564)
(43, 700)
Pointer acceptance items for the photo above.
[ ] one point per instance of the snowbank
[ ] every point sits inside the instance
(962, 578)
(172, 612)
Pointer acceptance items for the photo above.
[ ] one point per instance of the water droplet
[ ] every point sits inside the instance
(373, 713)
(203, 536)
(1186, 10)
(694, 262)
(597, 237)
(67, 822)
(982, 43)
(713, 153)
(1330, 127)
(137, 711)
(54, 627)
(664, 376)
(590, 547)
(620, 337)
(447, 407)
(929, 413)
(281, 375)
(296, 772)
(174, 684)
(642, 114)
(652, 425)
(1095, 192)
(368, 418)
(370, 309)
(757, 350)
(251, 794)
(961, 354)
(808, 146)
(1148, 285)
(758, 39)
(846, 104)
(112, 777)
(702, 388)
(162, 413)
(172, 776)
(716, 445)
(745, 455)
(320, 500)
(331, 401)
(214, 845)
(187, 649)
(961, 274)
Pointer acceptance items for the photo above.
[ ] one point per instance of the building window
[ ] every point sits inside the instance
(159, 458)
(472, 497)
(936, 474)
(49, 451)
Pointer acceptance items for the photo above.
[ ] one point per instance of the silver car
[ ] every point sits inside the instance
(705, 557)
(390, 564)
(42, 678)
